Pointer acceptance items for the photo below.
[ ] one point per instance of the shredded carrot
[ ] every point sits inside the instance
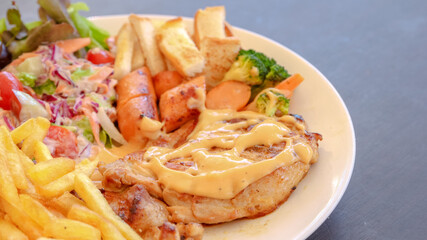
(60, 88)
(102, 73)
(103, 88)
(48, 109)
(89, 112)
(72, 45)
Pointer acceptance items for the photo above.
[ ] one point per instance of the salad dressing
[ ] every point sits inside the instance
(215, 146)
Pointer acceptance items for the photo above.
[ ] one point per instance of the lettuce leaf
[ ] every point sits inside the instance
(79, 73)
(48, 88)
(86, 28)
(84, 124)
(105, 138)
(27, 79)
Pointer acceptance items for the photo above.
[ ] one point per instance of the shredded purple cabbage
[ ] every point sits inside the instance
(95, 106)
(63, 76)
(8, 123)
(84, 150)
(61, 109)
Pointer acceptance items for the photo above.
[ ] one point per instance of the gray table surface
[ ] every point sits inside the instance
(375, 54)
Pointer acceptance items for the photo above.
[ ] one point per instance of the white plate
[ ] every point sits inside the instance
(325, 112)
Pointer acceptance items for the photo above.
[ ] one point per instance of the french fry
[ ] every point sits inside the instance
(125, 43)
(8, 190)
(83, 214)
(13, 160)
(96, 202)
(8, 231)
(66, 182)
(27, 163)
(31, 190)
(21, 220)
(41, 152)
(146, 35)
(64, 203)
(70, 229)
(39, 213)
(38, 133)
(48, 171)
(22, 132)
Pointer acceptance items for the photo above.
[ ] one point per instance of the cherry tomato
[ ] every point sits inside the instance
(99, 56)
(8, 82)
(62, 141)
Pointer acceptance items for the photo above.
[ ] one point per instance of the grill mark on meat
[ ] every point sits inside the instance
(261, 152)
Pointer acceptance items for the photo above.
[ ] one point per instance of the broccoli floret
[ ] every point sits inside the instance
(271, 101)
(277, 73)
(256, 70)
(250, 67)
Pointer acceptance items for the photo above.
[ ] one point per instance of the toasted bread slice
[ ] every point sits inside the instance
(138, 59)
(146, 35)
(169, 65)
(220, 55)
(228, 30)
(178, 47)
(209, 23)
(125, 44)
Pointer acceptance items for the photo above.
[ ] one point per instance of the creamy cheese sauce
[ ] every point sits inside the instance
(215, 147)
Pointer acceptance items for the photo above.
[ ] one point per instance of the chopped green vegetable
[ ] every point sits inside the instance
(48, 88)
(257, 70)
(86, 28)
(27, 79)
(271, 101)
(105, 138)
(79, 73)
(84, 124)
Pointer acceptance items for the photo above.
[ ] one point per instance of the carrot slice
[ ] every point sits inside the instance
(72, 45)
(289, 84)
(166, 80)
(228, 95)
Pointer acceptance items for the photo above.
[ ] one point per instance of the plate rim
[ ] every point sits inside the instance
(346, 175)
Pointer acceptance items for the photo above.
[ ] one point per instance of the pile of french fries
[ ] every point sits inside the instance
(38, 197)
(208, 50)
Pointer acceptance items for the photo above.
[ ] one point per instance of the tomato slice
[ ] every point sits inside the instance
(99, 56)
(8, 82)
(62, 142)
